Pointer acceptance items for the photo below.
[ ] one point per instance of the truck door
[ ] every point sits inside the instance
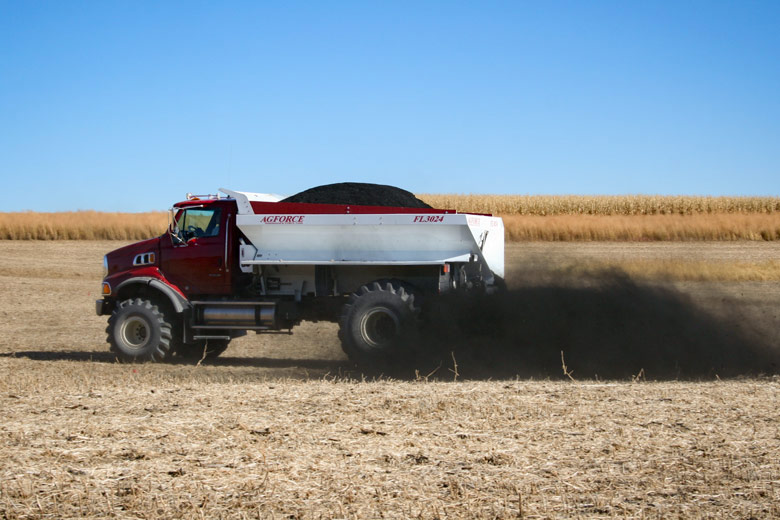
(198, 263)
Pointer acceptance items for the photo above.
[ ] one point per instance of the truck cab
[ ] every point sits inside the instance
(159, 278)
(198, 252)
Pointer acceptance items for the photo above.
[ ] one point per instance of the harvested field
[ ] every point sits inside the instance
(650, 261)
(284, 426)
(140, 443)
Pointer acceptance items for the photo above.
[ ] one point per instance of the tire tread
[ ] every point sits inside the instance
(390, 287)
(160, 352)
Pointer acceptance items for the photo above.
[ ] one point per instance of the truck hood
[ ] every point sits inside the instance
(122, 259)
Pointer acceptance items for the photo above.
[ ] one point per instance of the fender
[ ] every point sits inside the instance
(180, 304)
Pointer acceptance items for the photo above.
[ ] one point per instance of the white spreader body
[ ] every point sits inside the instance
(304, 234)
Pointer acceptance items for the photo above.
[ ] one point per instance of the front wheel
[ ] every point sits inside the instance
(137, 331)
(379, 323)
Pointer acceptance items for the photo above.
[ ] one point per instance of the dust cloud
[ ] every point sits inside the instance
(606, 325)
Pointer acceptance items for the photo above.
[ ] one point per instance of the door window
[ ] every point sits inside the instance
(199, 223)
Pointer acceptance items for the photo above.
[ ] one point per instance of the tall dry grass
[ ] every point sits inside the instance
(549, 218)
(81, 225)
(624, 217)
(737, 226)
(545, 205)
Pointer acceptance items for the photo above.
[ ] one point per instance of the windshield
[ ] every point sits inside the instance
(198, 223)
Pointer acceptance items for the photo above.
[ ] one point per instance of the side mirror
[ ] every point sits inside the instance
(176, 237)
(173, 230)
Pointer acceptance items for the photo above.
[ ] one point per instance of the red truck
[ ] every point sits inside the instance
(247, 262)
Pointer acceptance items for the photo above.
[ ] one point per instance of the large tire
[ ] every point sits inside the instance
(137, 331)
(379, 323)
(213, 347)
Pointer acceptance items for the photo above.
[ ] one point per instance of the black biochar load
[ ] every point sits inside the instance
(358, 194)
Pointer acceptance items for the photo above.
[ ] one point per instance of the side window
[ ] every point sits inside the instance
(200, 223)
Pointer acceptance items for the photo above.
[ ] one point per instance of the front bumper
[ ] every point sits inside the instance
(103, 307)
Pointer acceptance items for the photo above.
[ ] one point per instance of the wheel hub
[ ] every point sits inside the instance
(135, 332)
(379, 327)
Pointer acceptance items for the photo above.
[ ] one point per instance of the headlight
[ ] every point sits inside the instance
(105, 266)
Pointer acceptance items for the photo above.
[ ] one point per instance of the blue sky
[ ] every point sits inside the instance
(126, 106)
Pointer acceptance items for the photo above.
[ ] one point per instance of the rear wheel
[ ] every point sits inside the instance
(379, 323)
(137, 331)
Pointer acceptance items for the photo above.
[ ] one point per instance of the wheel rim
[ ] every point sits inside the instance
(135, 332)
(379, 327)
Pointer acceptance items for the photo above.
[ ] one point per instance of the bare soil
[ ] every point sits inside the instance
(283, 425)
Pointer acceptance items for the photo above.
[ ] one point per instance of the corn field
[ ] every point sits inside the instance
(545, 205)
(81, 225)
(526, 217)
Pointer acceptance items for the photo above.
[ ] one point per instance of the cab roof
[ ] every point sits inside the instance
(242, 198)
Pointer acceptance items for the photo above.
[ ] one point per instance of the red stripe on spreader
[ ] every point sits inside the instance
(306, 208)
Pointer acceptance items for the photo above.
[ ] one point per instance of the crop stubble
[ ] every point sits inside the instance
(283, 427)
(145, 447)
